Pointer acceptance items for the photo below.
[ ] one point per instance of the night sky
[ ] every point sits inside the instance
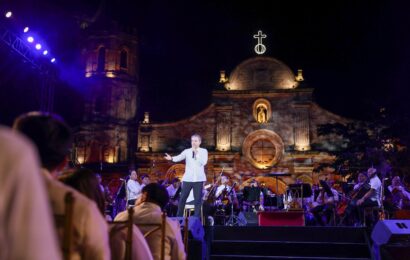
(356, 54)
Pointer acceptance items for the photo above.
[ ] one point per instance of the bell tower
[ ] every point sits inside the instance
(110, 62)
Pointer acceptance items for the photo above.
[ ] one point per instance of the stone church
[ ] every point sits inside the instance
(261, 120)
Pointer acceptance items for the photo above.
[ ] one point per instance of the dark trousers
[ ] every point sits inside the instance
(357, 212)
(185, 190)
(323, 210)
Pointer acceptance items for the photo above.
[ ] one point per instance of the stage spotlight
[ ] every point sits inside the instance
(8, 14)
(26, 29)
(38, 46)
(30, 39)
(53, 60)
(45, 52)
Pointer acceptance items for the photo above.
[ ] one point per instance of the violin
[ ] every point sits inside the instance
(210, 196)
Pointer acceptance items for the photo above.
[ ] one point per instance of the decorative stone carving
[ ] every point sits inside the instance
(263, 148)
(302, 140)
(144, 142)
(223, 129)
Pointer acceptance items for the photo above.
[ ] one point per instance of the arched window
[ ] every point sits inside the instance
(101, 59)
(124, 59)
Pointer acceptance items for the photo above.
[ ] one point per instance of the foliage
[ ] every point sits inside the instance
(381, 142)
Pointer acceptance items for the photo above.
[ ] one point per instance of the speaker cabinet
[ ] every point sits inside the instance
(391, 231)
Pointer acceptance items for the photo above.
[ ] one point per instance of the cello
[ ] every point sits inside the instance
(356, 194)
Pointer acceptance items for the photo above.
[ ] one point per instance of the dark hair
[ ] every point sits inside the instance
(157, 194)
(174, 180)
(85, 181)
(144, 176)
(198, 136)
(49, 133)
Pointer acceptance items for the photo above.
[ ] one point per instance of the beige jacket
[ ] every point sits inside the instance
(151, 213)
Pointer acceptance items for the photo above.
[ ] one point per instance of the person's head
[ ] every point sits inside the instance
(50, 134)
(371, 172)
(133, 175)
(176, 183)
(145, 179)
(361, 177)
(196, 140)
(224, 179)
(396, 181)
(156, 194)
(86, 182)
(254, 183)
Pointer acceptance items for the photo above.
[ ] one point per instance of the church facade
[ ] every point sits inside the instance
(262, 120)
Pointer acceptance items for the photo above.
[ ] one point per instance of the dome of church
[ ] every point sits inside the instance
(261, 73)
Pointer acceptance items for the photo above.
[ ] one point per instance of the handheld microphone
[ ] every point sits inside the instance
(121, 179)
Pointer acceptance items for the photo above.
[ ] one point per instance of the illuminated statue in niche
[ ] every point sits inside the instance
(223, 138)
(262, 114)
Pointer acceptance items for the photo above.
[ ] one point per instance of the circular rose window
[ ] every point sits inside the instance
(263, 151)
(263, 148)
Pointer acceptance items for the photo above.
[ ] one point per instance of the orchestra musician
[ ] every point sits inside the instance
(225, 194)
(174, 191)
(133, 188)
(361, 179)
(367, 195)
(397, 196)
(324, 204)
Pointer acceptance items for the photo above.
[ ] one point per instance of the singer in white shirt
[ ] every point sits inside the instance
(194, 176)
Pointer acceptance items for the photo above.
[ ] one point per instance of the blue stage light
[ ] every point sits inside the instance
(53, 60)
(8, 14)
(38, 46)
(45, 52)
(26, 29)
(30, 39)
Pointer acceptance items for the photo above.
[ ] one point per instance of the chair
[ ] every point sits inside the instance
(372, 211)
(186, 235)
(119, 225)
(191, 208)
(65, 223)
(157, 227)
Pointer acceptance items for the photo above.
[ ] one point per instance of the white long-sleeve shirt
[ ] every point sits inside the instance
(134, 189)
(194, 165)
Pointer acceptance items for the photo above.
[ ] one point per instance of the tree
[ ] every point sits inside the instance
(381, 142)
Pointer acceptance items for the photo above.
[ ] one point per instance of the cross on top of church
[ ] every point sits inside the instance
(260, 48)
